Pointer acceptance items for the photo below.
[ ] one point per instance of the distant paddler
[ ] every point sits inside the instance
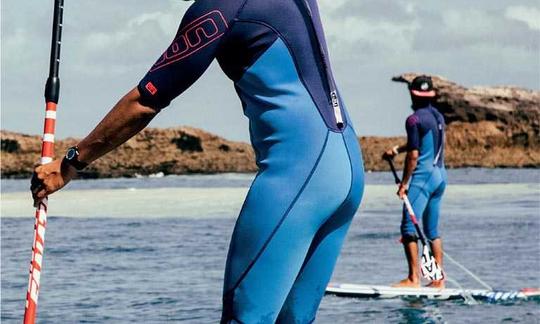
(424, 176)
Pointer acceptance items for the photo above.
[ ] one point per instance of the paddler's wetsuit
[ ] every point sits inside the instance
(425, 133)
(310, 180)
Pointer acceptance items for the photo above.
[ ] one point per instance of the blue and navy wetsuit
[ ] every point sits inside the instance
(425, 133)
(310, 180)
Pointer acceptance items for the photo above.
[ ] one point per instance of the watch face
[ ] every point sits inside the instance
(70, 154)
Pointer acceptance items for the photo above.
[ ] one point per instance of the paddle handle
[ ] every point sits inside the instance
(52, 92)
(397, 180)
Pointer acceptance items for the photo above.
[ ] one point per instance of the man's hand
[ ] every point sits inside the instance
(50, 178)
(388, 155)
(402, 191)
(391, 153)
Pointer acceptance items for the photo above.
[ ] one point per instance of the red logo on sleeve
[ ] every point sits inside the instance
(195, 36)
(151, 88)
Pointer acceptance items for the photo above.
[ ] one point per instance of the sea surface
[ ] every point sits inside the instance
(152, 250)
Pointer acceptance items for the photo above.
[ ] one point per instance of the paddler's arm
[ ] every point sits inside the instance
(410, 164)
(394, 151)
(412, 125)
(128, 117)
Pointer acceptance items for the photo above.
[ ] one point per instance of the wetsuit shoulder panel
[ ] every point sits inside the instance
(201, 32)
(412, 125)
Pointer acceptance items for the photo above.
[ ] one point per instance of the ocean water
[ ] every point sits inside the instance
(153, 250)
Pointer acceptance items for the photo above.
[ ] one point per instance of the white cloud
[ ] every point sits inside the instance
(167, 21)
(13, 45)
(140, 29)
(528, 15)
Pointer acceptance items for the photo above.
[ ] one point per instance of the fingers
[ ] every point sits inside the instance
(37, 185)
(388, 155)
(39, 196)
(402, 192)
(35, 181)
(41, 192)
(48, 179)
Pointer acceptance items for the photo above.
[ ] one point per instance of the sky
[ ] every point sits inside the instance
(109, 45)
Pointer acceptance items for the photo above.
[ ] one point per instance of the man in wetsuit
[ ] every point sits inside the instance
(424, 176)
(310, 181)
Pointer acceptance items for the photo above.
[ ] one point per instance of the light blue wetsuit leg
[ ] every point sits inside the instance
(310, 285)
(419, 198)
(430, 219)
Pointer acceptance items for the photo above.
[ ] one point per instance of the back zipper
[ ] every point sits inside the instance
(334, 98)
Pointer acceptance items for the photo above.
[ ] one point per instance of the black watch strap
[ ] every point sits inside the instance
(72, 158)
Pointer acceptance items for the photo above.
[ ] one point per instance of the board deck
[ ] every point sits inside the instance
(376, 291)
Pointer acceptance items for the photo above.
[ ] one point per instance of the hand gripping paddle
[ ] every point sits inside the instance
(428, 266)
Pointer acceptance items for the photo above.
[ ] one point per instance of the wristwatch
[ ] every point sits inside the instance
(72, 158)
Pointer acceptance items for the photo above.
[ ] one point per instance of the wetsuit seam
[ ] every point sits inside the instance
(345, 200)
(229, 30)
(348, 196)
(297, 67)
(283, 217)
(423, 187)
(236, 319)
(255, 58)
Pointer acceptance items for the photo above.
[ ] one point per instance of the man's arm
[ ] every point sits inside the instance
(126, 118)
(410, 164)
(412, 125)
(394, 151)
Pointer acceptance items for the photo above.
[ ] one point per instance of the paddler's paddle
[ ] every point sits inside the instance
(429, 267)
(52, 89)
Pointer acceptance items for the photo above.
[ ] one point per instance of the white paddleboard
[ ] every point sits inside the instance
(376, 291)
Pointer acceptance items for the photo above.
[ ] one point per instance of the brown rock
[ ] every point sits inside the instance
(171, 151)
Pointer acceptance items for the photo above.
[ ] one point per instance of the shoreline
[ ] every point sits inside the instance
(487, 127)
(186, 150)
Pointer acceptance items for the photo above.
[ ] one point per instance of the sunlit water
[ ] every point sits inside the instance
(153, 250)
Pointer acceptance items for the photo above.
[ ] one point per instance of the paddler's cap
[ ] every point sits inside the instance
(422, 86)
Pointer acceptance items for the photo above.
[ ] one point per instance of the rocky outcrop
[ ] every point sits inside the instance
(513, 111)
(180, 150)
(487, 127)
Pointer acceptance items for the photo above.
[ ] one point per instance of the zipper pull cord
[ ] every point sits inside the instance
(337, 109)
(334, 98)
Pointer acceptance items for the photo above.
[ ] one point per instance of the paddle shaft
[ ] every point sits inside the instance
(407, 204)
(52, 91)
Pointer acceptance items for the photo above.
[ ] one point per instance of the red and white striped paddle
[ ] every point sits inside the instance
(52, 90)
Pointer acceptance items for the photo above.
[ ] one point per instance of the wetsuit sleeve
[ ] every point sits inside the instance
(412, 125)
(194, 47)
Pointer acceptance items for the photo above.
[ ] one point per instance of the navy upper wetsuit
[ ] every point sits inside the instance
(310, 180)
(425, 133)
